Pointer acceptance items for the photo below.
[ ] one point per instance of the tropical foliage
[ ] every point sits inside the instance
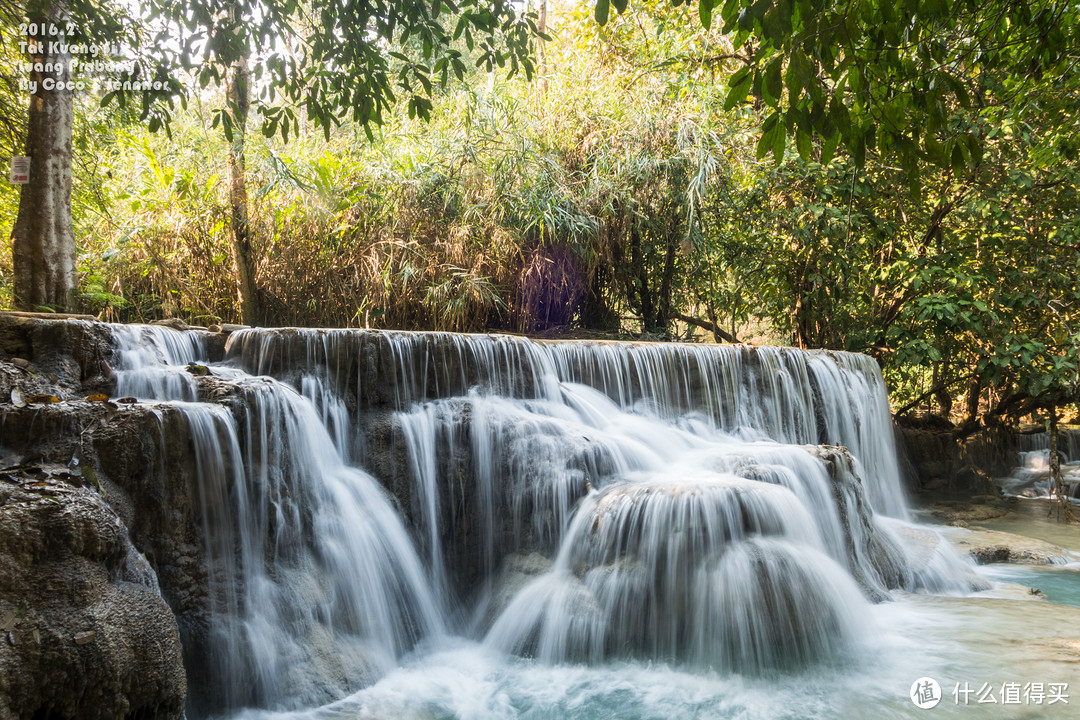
(895, 180)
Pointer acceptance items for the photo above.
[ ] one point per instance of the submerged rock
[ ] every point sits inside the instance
(976, 509)
(993, 546)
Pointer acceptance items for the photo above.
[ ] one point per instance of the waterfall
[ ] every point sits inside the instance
(152, 360)
(1031, 475)
(314, 585)
(728, 508)
(722, 571)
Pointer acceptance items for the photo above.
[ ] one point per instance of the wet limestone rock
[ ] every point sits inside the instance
(993, 546)
(945, 460)
(69, 354)
(83, 631)
(138, 457)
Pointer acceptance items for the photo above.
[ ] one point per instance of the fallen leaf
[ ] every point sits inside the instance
(90, 475)
(44, 399)
(97, 397)
(85, 637)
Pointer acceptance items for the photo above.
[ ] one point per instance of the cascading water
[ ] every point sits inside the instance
(717, 508)
(1031, 476)
(151, 362)
(314, 585)
(718, 570)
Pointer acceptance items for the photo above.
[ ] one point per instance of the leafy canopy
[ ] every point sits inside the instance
(333, 59)
(969, 280)
(888, 76)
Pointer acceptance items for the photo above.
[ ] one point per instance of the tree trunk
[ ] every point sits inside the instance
(641, 274)
(663, 311)
(1056, 484)
(971, 401)
(719, 334)
(236, 90)
(803, 339)
(942, 394)
(42, 241)
(1055, 459)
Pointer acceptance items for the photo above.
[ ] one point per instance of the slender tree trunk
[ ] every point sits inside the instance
(971, 401)
(540, 49)
(236, 90)
(42, 240)
(1057, 485)
(719, 334)
(1055, 459)
(663, 312)
(641, 275)
(942, 394)
(803, 322)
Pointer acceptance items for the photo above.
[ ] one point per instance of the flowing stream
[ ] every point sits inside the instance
(425, 525)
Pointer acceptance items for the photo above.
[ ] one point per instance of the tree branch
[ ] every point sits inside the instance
(706, 325)
(932, 391)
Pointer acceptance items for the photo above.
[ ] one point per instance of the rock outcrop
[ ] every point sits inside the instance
(942, 460)
(84, 632)
(987, 547)
(86, 516)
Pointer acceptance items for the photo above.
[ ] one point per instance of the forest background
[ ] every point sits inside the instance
(893, 180)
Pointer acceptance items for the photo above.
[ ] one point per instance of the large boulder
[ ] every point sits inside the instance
(84, 632)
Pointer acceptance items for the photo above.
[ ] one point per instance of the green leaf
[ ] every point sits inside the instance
(601, 11)
(779, 142)
(774, 82)
(462, 22)
(859, 151)
(798, 74)
(768, 138)
(705, 12)
(804, 144)
(740, 84)
(829, 149)
(933, 148)
(959, 167)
